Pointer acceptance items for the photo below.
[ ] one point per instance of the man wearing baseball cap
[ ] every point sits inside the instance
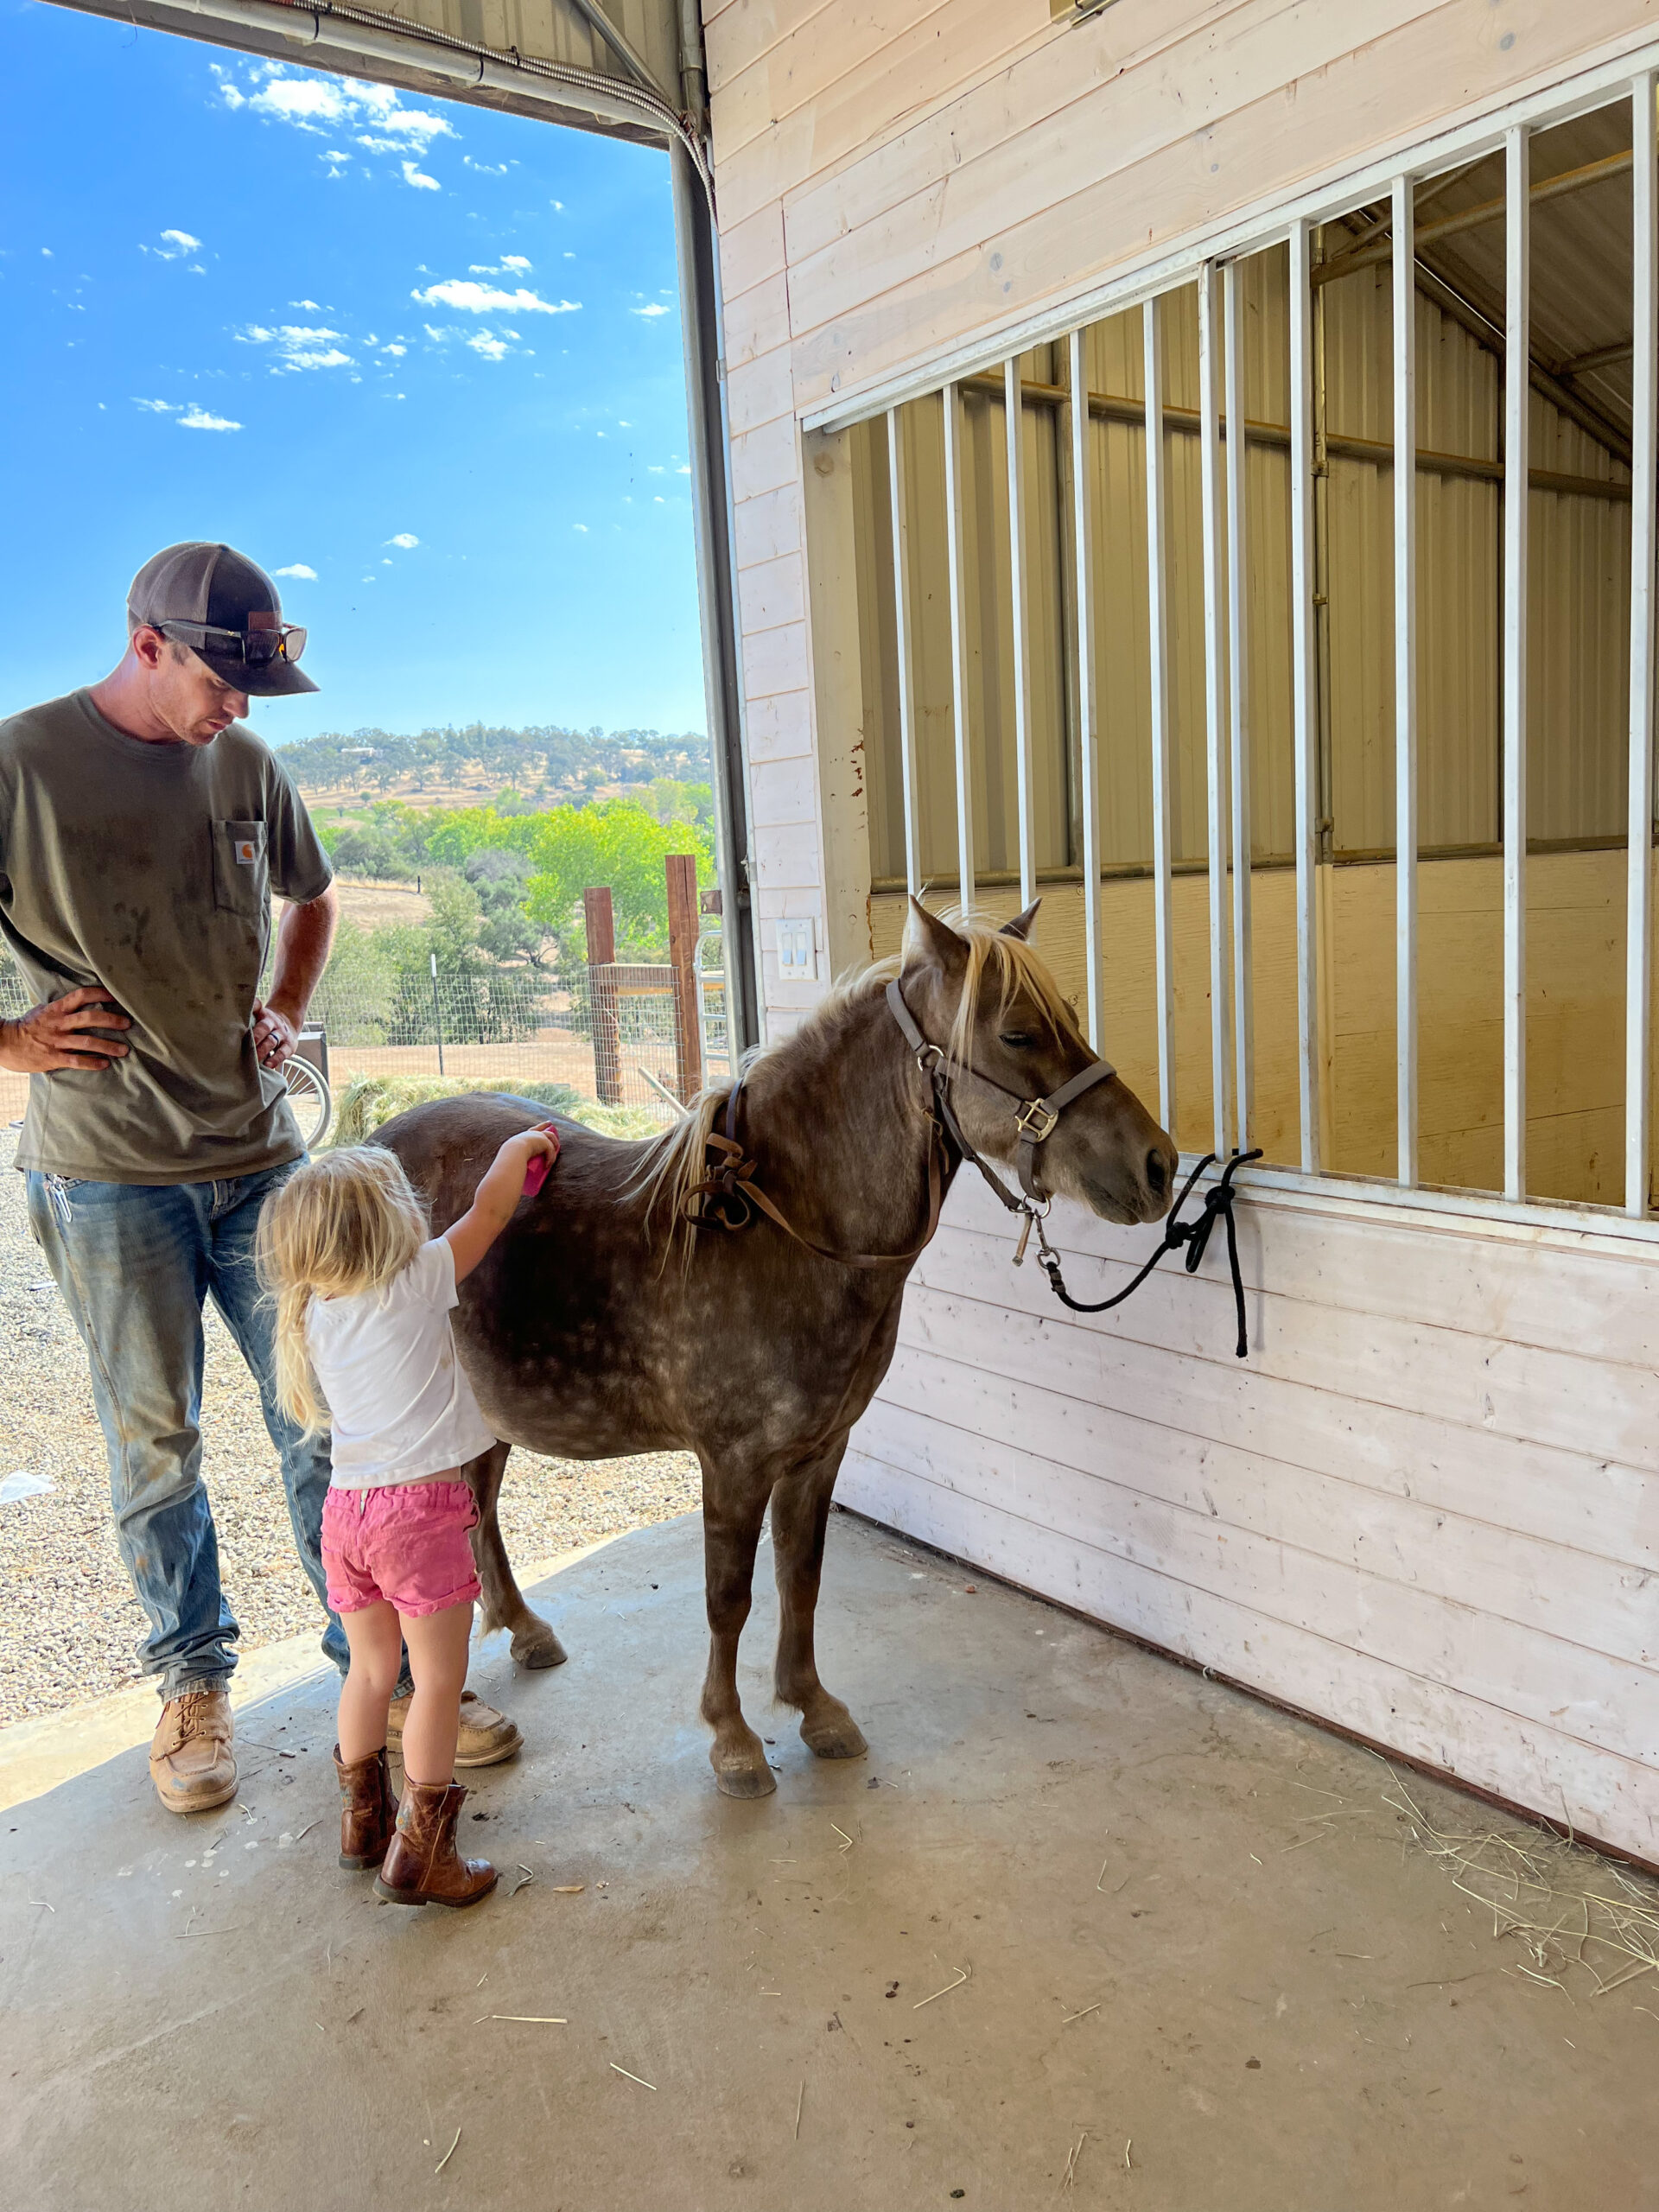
(143, 827)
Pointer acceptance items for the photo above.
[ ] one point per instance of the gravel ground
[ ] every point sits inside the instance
(69, 1623)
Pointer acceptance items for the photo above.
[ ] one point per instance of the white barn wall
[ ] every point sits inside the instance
(897, 178)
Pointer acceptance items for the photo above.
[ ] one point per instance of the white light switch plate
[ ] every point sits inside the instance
(797, 950)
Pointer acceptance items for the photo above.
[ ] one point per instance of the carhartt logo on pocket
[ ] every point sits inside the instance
(245, 851)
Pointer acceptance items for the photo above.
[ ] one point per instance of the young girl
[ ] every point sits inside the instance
(362, 1296)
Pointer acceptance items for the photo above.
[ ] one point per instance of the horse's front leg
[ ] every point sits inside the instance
(534, 1643)
(734, 1509)
(800, 1514)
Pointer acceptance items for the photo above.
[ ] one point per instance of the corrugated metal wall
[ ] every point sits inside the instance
(1579, 613)
(1578, 621)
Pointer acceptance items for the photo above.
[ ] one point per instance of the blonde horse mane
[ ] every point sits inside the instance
(676, 1162)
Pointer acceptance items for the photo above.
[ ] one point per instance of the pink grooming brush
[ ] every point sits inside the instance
(535, 1173)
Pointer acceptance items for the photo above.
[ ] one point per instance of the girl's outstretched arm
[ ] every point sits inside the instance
(493, 1201)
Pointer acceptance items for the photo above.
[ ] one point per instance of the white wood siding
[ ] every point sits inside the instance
(1425, 1508)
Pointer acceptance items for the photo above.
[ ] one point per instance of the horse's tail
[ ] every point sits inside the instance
(671, 1169)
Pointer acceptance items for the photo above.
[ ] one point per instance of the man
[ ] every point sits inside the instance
(142, 828)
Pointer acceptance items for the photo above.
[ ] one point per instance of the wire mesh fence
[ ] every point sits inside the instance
(640, 1036)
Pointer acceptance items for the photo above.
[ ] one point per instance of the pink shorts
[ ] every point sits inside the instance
(405, 1544)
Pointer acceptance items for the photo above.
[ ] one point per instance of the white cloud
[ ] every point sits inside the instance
(514, 261)
(199, 419)
(438, 337)
(396, 351)
(385, 565)
(650, 314)
(581, 526)
(47, 251)
(156, 406)
(486, 169)
(298, 568)
(405, 541)
(298, 345)
(326, 106)
(309, 306)
(558, 206)
(492, 347)
(175, 244)
(485, 299)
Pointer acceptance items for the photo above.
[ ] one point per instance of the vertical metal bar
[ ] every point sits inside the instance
(1303, 693)
(1644, 400)
(1238, 642)
(956, 551)
(1013, 423)
(708, 455)
(1083, 534)
(1215, 757)
(1516, 400)
(906, 644)
(1405, 678)
(1157, 638)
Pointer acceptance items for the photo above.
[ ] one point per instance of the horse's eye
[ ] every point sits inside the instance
(1018, 1040)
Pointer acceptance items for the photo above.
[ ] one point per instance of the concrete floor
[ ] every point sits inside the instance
(1235, 2011)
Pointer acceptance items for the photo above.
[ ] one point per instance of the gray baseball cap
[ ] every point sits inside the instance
(227, 610)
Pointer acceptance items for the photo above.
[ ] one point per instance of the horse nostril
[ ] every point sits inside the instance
(1157, 1173)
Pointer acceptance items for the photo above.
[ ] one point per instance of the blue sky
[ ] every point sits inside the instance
(427, 353)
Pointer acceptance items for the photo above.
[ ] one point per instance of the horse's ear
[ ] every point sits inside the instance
(1022, 924)
(929, 939)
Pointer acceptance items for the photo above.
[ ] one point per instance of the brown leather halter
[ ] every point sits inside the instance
(730, 1195)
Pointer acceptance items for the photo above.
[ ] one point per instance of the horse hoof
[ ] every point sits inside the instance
(540, 1649)
(746, 1780)
(837, 1737)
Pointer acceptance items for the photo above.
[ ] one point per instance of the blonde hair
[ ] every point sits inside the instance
(343, 1223)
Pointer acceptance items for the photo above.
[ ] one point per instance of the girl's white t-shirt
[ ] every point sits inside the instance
(402, 1405)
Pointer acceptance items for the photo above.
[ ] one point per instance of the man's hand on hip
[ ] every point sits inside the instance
(275, 1037)
(59, 1033)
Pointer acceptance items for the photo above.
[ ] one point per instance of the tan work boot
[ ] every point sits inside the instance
(367, 1809)
(191, 1762)
(422, 1865)
(486, 1736)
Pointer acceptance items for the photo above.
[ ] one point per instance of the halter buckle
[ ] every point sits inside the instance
(1036, 1120)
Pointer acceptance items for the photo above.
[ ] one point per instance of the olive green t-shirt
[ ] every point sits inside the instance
(147, 868)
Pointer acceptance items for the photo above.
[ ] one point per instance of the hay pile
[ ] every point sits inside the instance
(369, 1102)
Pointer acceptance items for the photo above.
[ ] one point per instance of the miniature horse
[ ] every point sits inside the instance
(602, 1322)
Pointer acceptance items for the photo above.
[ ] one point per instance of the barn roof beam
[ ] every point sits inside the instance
(599, 23)
(1481, 314)
(1599, 357)
(1109, 407)
(1371, 249)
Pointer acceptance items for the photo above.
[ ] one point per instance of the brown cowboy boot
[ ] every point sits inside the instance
(367, 1809)
(422, 1864)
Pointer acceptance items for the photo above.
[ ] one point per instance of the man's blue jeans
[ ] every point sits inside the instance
(135, 1261)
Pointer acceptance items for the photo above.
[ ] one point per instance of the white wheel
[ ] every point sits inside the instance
(312, 1100)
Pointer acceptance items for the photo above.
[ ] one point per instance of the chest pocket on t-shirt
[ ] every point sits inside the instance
(241, 872)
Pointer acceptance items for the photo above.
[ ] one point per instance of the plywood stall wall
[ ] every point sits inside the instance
(1424, 1508)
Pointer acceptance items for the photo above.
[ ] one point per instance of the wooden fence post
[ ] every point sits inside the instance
(600, 926)
(680, 869)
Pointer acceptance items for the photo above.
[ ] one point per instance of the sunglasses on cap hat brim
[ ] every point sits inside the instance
(262, 661)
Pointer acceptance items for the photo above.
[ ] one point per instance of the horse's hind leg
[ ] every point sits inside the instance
(534, 1643)
(731, 1530)
(800, 1514)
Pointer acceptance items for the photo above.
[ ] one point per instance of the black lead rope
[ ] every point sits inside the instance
(1194, 1235)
